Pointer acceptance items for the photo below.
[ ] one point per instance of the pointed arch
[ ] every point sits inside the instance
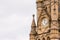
(48, 38)
(38, 39)
(43, 39)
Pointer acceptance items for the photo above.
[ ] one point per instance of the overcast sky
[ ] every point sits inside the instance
(16, 18)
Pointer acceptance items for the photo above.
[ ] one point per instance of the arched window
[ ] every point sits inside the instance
(38, 39)
(43, 38)
(48, 38)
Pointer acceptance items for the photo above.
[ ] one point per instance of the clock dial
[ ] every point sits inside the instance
(44, 22)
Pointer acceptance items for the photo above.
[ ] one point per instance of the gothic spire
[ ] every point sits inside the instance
(33, 22)
(33, 26)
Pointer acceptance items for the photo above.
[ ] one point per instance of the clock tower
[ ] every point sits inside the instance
(48, 21)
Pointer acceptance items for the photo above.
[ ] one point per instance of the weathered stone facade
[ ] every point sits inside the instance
(48, 21)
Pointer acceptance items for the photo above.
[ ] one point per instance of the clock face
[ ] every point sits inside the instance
(45, 22)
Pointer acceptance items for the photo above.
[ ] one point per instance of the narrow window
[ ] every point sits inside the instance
(59, 6)
(43, 38)
(48, 38)
(38, 39)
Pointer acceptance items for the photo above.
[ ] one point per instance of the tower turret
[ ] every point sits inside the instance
(33, 29)
(48, 21)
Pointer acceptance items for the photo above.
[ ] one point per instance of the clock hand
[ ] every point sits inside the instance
(44, 22)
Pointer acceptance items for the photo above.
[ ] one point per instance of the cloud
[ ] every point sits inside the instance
(15, 19)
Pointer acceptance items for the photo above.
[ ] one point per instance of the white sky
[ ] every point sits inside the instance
(16, 18)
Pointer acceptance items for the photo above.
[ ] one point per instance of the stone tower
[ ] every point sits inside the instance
(48, 21)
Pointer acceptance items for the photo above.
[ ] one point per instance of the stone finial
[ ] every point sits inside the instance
(33, 21)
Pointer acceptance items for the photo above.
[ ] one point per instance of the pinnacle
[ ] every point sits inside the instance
(33, 21)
